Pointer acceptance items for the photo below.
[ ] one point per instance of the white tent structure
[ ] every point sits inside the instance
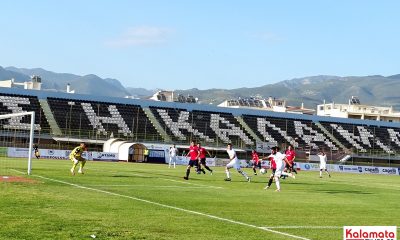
(115, 146)
(127, 151)
(132, 152)
(108, 143)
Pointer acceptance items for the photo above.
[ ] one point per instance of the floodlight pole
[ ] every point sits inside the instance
(31, 142)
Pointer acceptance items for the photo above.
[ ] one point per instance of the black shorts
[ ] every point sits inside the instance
(257, 164)
(193, 163)
(203, 161)
(288, 166)
(273, 171)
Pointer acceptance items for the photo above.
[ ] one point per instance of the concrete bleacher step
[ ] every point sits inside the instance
(55, 129)
(156, 124)
(248, 129)
(345, 159)
(330, 135)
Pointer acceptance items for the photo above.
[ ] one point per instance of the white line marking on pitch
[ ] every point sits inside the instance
(147, 186)
(171, 207)
(303, 227)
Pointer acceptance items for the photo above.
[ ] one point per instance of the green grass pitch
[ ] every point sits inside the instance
(148, 201)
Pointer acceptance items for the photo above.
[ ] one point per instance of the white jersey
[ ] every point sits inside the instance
(322, 161)
(280, 164)
(234, 163)
(172, 152)
(232, 154)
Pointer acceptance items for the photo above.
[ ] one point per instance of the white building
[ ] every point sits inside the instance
(270, 104)
(354, 109)
(34, 84)
(166, 96)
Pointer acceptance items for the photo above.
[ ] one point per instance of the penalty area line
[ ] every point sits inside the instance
(303, 227)
(171, 207)
(147, 186)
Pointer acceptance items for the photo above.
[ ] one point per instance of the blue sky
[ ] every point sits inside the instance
(202, 44)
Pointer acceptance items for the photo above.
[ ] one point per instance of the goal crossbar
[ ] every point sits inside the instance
(32, 114)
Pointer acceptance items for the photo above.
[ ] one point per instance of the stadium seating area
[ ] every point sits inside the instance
(103, 118)
(88, 119)
(10, 103)
(210, 127)
(299, 132)
(363, 138)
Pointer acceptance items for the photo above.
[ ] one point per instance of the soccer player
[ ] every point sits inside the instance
(291, 156)
(36, 151)
(256, 161)
(234, 163)
(279, 159)
(76, 157)
(272, 166)
(194, 159)
(172, 156)
(145, 154)
(202, 155)
(322, 163)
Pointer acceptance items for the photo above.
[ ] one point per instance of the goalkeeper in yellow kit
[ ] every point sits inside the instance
(76, 156)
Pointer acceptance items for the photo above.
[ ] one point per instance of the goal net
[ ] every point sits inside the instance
(16, 143)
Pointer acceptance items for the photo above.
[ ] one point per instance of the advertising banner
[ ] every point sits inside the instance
(62, 154)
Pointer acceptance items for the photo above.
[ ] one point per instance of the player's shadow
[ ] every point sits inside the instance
(192, 175)
(303, 183)
(129, 176)
(345, 192)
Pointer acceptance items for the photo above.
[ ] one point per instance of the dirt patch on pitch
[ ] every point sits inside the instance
(16, 179)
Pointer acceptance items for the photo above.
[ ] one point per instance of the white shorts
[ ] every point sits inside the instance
(278, 173)
(234, 164)
(322, 166)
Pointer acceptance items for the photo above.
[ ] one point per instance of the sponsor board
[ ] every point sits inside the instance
(210, 162)
(182, 160)
(349, 168)
(389, 171)
(374, 170)
(370, 232)
(62, 154)
(153, 153)
(308, 166)
(17, 152)
(102, 156)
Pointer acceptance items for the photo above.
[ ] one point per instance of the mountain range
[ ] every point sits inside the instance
(373, 90)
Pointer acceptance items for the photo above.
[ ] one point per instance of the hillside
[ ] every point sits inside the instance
(58, 81)
(374, 90)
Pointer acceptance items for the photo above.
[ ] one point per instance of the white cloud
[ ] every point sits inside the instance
(141, 36)
(268, 37)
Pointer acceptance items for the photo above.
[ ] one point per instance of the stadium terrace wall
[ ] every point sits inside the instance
(214, 126)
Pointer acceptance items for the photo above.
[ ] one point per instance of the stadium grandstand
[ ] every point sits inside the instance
(63, 119)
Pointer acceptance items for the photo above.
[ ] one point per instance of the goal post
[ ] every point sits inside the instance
(20, 127)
